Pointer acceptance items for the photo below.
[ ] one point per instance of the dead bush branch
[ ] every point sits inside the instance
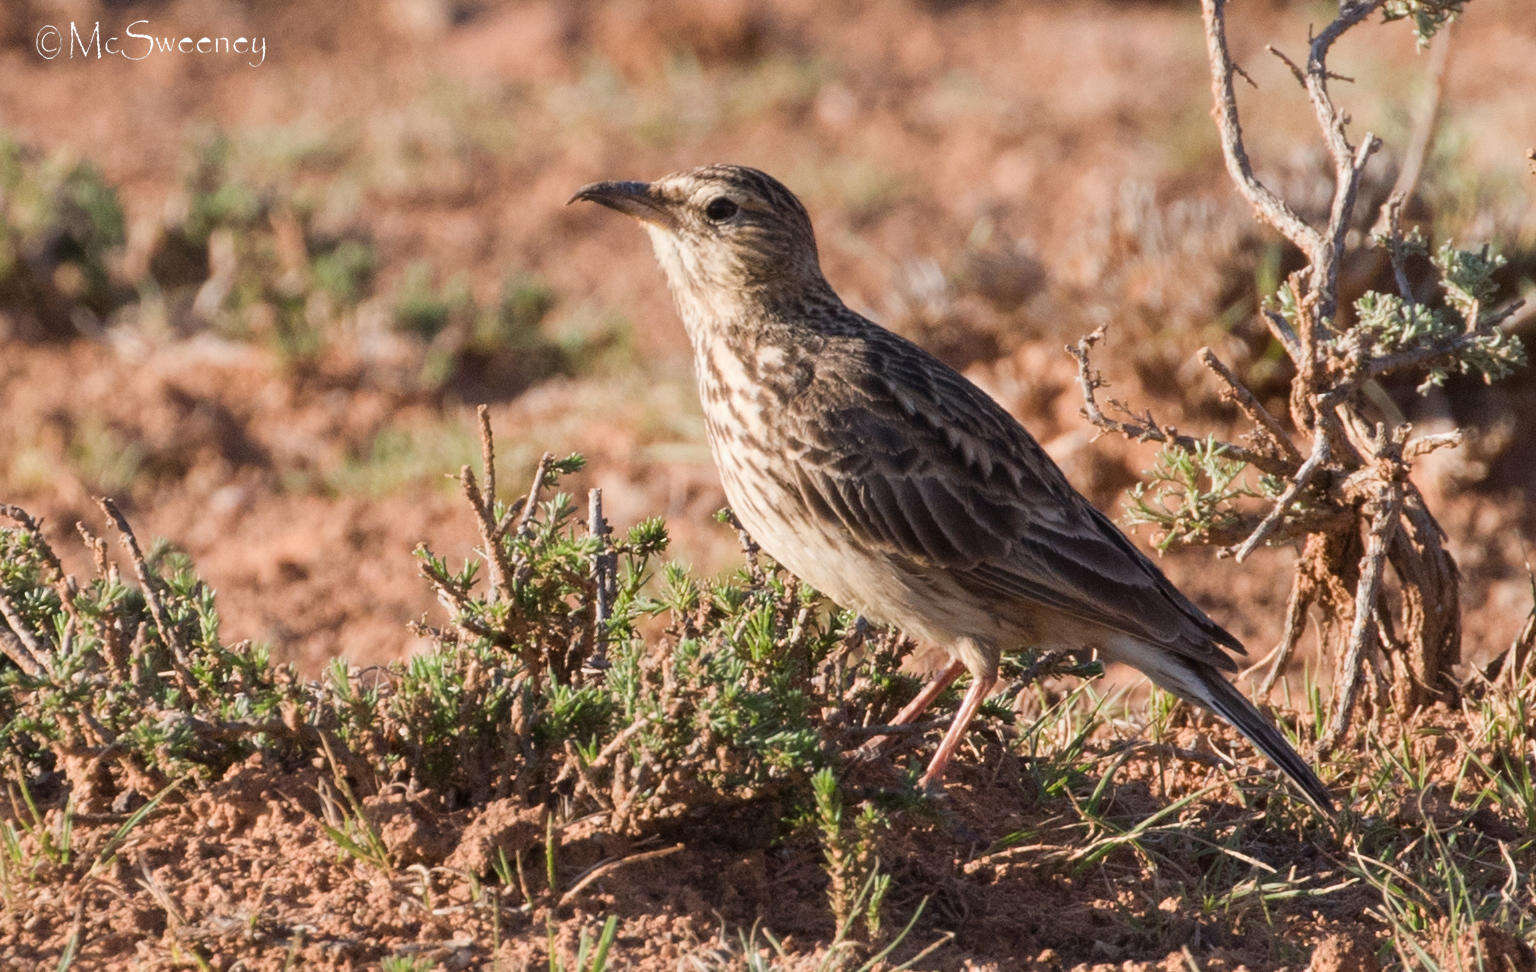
(1350, 498)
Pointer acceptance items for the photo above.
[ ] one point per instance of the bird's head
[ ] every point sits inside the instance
(719, 229)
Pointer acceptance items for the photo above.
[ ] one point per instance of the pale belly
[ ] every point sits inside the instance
(928, 605)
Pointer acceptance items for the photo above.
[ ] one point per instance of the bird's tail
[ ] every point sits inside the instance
(1214, 692)
(1200, 683)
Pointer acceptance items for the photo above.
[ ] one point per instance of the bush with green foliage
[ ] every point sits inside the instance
(60, 226)
(540, 684)
(125, 687)
(503, 344)
(252, 260)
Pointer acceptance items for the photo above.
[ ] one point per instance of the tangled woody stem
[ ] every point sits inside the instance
(1340, 481)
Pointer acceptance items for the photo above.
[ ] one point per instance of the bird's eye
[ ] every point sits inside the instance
(720, 209)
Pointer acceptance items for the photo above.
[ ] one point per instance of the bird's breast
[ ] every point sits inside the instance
(744, 415)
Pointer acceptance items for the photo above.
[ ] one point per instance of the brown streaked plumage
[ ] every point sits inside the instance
(886, 480)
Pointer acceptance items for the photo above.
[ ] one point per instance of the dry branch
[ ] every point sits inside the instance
(1240, 395)
(150, 584)
(604, 568)
(1144, 428)
(606, 867)
(17, 641)
(531, 501)
(1270, 207)
(487, 451)
(1364, 630)
(1299, 481)
(1361, 513)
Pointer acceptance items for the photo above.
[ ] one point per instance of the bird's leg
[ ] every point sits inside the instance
(981, 686)
(915, 708)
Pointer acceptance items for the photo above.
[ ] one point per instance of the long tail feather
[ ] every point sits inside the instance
(1219, 695)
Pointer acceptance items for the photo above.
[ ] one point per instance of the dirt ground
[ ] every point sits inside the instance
(243, 875)
(1053, 163)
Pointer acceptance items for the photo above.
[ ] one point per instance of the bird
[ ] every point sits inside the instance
(893, 485)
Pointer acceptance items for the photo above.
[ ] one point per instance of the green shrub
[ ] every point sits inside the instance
(249, 259)
(540, 685)
(110, 677)
(503, 345)
(60, 226)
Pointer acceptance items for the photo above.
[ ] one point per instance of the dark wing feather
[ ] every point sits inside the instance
(946, 478)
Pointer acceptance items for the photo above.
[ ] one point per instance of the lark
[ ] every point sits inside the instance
(887, 481)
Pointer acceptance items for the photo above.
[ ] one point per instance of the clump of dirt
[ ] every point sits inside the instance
(503, 830)
(1344, 953)
(1487, 946)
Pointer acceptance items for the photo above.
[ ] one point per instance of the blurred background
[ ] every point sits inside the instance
(258, 303)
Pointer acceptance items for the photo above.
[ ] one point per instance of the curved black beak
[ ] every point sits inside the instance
(635, 199)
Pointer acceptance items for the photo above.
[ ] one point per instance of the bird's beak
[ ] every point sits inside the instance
(637, 199)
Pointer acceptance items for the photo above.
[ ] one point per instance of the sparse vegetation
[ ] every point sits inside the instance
(247, 257)
(60, 223)
(125, 691)
(856, 888)
(552, 691)
(257, 318)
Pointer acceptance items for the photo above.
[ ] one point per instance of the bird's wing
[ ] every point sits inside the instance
(943, 477)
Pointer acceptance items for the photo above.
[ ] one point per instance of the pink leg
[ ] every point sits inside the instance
(924, 699)
(974, 696)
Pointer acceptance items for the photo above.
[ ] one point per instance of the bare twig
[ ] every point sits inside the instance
(855, 733)
(1392, 219)
(1270, 207)
(1423, 127)
(531, 502)
(603, 569)
(1300, 481)
(456, 602)
(1348, 162)
(749, 550)
(16, 639)
(1425, 444)
(1350, 172)
(606, 867)
(495, 555)
(1295, 626)
(180, 650)
(1240, 395)
(487, 456)
(1364, 629)
(1145, 428)
(485, 504)
(1285, 59)
(1281, 329)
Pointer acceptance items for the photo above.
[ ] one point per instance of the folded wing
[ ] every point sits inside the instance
(947, 479)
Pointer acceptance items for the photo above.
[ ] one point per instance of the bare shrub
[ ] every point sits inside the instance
(1374, 562)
